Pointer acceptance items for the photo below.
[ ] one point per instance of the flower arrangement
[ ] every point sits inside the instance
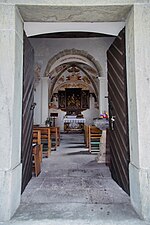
(48, 121)
(102, 122)
(104, 116)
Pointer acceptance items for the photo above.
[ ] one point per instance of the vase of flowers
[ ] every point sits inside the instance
(102, 122)
(48, 122)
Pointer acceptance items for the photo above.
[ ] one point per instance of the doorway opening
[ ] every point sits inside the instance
(132, 14)
(60, 89)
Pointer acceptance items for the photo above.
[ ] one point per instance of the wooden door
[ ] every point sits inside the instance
(27, 112)
(118, 111)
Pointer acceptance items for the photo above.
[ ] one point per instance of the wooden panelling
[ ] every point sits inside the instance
(27, 112)
(117, 92)
(73, 100)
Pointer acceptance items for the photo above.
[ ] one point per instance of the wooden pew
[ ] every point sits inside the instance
(36, 163)
(94, 138)
(58, 136)
(55, 137)
(86, 135)
(36, 139)
(45, 139)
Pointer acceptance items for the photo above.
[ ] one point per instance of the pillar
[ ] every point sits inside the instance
(138, 79)
(44, 97)
(38, 101)
(103, 100)
(11, 73)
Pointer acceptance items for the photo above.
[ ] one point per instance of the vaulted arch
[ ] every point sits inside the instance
(81, 56)
(65, 67)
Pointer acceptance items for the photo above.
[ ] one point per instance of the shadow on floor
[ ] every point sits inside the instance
(78, 153)
(76, 143)
(77, 146)
(94, 163)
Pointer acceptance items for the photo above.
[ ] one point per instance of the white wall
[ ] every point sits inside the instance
(38, 107)
(45, 49)
(91, 113)
(59, 121)
(103, 93)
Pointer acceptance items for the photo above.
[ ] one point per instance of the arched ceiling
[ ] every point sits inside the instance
(73, 75)
(72, 58)
(72, 55)
(73, 68)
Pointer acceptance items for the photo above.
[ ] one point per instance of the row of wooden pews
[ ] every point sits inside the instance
(45, 139)
(92, 137)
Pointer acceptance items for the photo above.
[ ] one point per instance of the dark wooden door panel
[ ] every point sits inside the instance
(27, 113)
(117, 92)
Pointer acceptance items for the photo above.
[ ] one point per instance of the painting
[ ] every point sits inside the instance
(62, 99)
(85, 100)
(73, 99)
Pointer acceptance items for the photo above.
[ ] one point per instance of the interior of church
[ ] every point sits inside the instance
(68, 69)
(70, 155)
(77, 63)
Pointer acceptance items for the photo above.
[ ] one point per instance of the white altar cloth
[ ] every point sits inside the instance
(74, 120)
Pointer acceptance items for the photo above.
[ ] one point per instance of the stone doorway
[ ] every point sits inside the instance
(138, 129)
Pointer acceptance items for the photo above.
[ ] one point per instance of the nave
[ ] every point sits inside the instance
(73, 188)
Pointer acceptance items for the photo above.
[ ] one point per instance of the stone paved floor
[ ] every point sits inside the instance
(73, 189)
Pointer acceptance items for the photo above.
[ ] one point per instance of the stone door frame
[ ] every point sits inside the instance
(11, 71)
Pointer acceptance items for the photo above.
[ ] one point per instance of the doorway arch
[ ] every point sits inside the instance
(80, 12)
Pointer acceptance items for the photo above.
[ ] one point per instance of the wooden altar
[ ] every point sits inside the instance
(73, 124)
(73, 100)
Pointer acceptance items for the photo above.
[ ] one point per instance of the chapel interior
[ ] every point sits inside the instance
(68, 69)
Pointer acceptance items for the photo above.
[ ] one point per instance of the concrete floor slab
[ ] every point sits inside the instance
(73, 211)
(73, 189)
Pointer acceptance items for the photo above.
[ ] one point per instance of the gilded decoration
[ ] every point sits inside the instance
(67, 72)
(73, 100)
(75, 79)
(82, 85)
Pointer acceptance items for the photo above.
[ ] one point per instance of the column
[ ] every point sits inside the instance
(103, 101)
(38, 101)
(11, 73)
(101, 156)
(44, 102)
(138, 79)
